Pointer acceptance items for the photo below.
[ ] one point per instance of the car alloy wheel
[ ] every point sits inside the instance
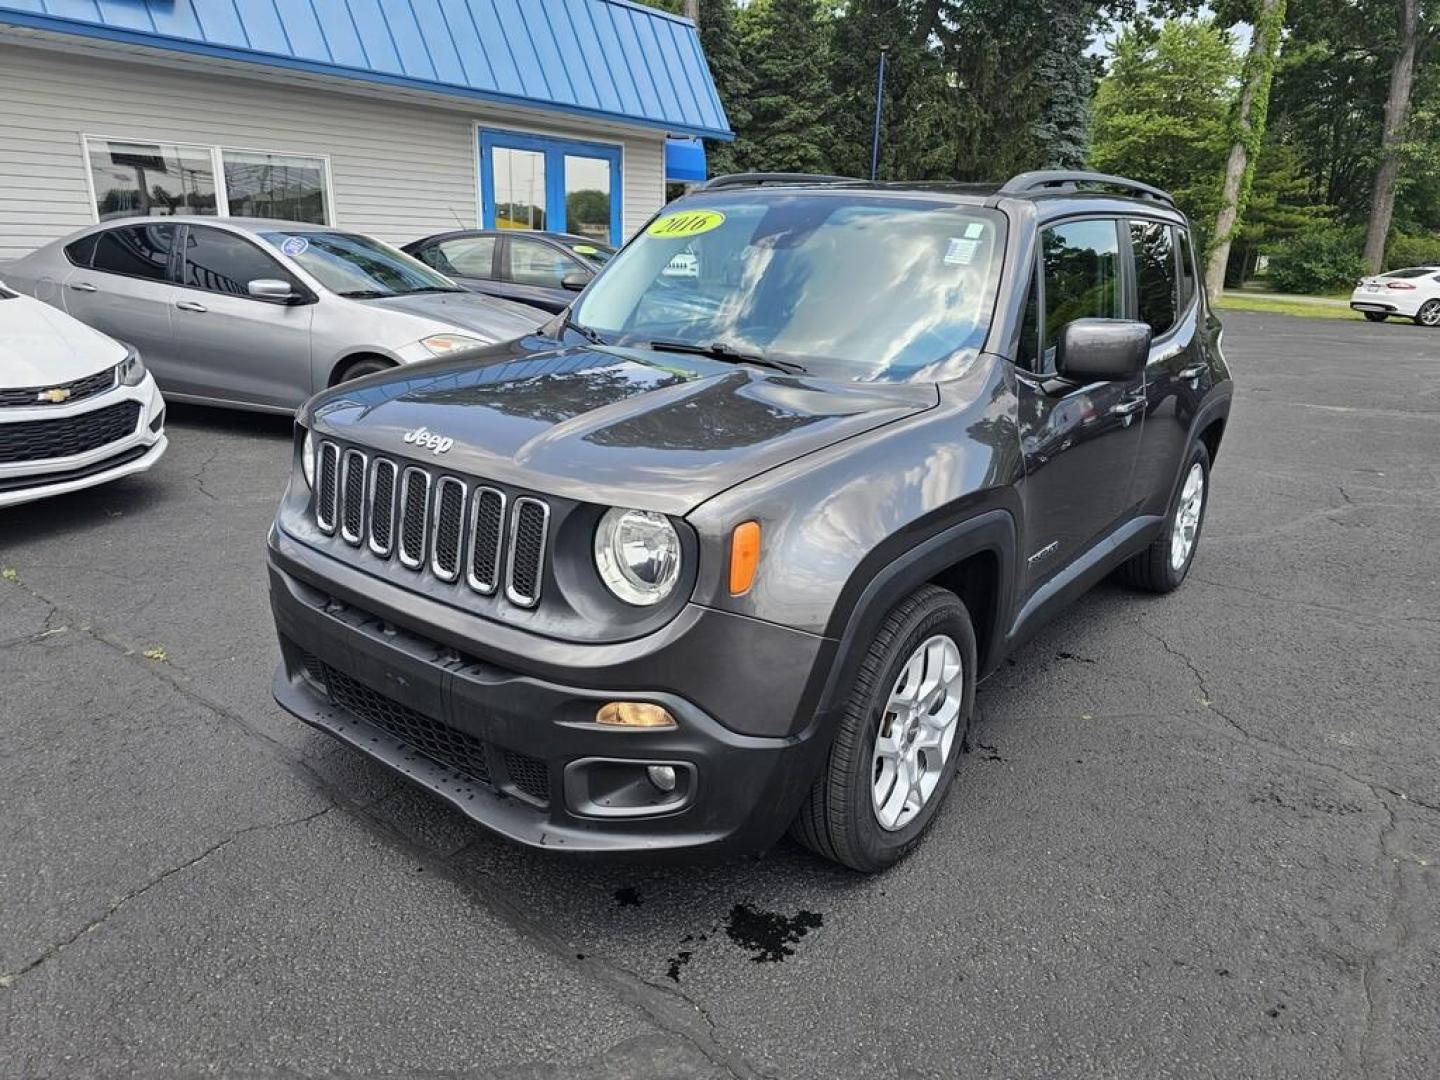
(1429, 314)
(1187, 517)
(917, 732)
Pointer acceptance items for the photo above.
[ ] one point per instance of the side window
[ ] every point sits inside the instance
(472, 256)
(1187, 270)
(83, 250)
(1155, 274)
(1082, 277)
(1028, 355)
(141, 251)
(534, 262)
(222, 262)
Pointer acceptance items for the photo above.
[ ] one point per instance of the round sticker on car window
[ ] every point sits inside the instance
(294, 245)
(585, 249)
(686, 223)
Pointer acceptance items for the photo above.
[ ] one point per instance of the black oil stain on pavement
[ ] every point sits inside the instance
(769, 935)
(682, 955)
(628, 896)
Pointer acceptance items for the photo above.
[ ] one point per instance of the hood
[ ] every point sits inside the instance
(487, 317)
(42, 346)
(626, 427)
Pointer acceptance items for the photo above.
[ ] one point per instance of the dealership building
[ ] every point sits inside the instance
(397, 118)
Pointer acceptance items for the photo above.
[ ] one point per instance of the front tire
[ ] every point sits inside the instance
(365, 365)
(1429, 314)
(900, 737)
(1162, 566)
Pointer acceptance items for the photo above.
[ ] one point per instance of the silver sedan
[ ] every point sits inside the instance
(260, 314)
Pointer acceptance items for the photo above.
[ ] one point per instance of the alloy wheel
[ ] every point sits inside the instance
(917, 732)
(1430, 314)
(1187, 517)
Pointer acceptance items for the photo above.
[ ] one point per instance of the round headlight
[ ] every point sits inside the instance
(638, 555)
(307, 460)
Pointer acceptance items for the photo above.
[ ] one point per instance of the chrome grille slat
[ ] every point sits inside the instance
(447, 531)
(487, 533)
(352, 497)
(327, 486)
(525, 560)
(435, 523)
(414, 516)
(382, 507)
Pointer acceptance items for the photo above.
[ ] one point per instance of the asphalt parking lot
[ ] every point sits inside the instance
(1196, 836)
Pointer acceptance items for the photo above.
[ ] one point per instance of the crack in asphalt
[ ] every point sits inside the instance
(655, 1002)
(8, 979)
(1288, 601)
(198, 476)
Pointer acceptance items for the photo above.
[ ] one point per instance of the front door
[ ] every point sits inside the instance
(554, 185)
(127, 292)
(1080, 442)
(232, 346)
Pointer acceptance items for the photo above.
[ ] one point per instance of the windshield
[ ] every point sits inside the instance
(849, 285)
(357, 266)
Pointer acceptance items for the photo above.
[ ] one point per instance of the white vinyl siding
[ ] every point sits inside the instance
(401, 170)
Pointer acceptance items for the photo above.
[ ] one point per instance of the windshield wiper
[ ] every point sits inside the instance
(365, 294)
(432, 288)
(719, 350)
(589, 333)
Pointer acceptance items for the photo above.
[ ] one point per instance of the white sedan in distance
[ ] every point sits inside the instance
(77, 408)
(1412, 293)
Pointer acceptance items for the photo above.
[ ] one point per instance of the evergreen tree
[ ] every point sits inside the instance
(786, 46)
(720, 40)
(1068, 76)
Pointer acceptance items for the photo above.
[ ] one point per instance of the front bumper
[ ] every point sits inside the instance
(518, 752)
(26, 481)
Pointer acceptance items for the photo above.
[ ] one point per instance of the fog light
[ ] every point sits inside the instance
(662, 776)
(635, 714)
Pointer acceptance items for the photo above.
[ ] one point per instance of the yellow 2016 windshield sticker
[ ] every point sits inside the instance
(685, 223)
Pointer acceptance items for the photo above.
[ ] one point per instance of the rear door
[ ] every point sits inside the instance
(126, 290)
(1080, 442)
(1178, 374)
(473, 261)
(233, 346)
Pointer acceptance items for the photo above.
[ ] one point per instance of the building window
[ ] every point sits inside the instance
(164, 179)
(561, 185)
(279, 186)
(151, 179)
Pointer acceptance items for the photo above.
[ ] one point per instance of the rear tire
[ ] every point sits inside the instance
(365, 365)
(1162, 566)
(1429, 314)
(842, 816)
(1375, 316)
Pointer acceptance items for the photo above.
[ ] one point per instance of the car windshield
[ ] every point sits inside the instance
(357, 266)
(590, 249)
(849, 285)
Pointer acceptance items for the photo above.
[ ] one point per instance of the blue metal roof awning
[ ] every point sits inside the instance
(606, 59)
(685, 160)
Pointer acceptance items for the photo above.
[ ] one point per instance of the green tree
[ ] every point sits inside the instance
(720, 39)
(786, 46)
(1162, 113)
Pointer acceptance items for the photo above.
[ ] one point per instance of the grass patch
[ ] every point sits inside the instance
(1268, 305)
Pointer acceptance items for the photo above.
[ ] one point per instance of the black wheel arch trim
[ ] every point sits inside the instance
(990, 532)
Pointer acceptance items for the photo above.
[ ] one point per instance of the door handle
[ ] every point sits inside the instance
(190, 305)
(1128, 406)
(83, 286)
(1194, 371)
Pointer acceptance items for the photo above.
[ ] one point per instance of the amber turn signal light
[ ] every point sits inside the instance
(744, 557)
(634, 714)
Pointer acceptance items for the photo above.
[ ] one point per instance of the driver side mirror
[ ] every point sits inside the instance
(272, 289)
(575, 280)
(1102, 350)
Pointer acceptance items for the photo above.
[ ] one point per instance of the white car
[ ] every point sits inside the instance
(1413, 293)
(77, 408)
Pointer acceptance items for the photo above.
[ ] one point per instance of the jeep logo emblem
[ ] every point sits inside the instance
(428, 440)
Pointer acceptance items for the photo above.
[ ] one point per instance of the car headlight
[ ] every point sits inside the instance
(442, 344)
(307, 459)
(132, 369)
(638, 555)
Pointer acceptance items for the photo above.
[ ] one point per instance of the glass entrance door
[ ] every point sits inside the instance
(559, 185)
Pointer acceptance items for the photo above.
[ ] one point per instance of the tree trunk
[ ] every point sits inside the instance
(1397, 116)
(1249, 130)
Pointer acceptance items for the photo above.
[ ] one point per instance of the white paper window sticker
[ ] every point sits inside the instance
(961, 251)
(975, 230)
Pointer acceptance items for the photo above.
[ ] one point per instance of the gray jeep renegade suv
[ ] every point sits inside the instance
(724, 550)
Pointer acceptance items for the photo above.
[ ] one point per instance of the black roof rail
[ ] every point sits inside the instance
(760, 179)
(1035, 183)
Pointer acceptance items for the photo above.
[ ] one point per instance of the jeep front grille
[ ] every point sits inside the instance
(434, 523)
